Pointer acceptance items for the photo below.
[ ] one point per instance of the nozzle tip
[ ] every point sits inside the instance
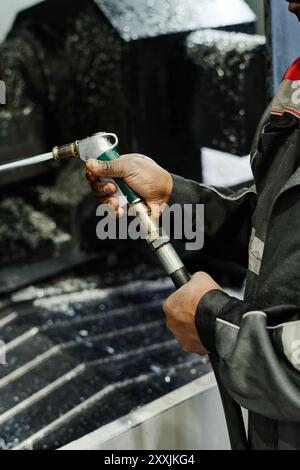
(55, 153)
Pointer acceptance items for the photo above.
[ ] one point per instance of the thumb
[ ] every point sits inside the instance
(113, 169)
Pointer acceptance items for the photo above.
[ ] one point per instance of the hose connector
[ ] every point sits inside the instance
(66, 151)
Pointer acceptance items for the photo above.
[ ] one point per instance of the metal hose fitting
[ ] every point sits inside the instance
(65, 151)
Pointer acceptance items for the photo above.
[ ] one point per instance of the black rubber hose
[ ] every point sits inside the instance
(233, 412)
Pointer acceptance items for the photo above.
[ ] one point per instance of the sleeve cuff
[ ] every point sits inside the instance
(217, 304)
(208, 310)
(184, 191)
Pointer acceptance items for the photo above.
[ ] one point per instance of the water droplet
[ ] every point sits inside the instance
(83, 333)
(155, 368)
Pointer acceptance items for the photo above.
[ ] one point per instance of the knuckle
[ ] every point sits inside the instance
(97, 189)
(96, 186)
(130, 161)
(106, 168)
(199, 275)
(167, 306)
(204, 275)
(94, 190)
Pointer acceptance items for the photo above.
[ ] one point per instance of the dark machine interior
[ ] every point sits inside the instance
(82, 319)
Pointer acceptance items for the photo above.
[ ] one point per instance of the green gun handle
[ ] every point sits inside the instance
(131, 196)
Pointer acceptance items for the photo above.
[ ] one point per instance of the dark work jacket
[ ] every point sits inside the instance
(257, 341)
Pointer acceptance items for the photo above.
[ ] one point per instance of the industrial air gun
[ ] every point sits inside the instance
(104, 146)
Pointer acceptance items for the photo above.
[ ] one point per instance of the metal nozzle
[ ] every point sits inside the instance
(65, 151)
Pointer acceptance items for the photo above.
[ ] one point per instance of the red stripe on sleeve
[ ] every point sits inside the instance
(293, 72)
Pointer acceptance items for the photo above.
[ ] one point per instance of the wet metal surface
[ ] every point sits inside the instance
(80, 356)
(22, 131)
(227, 64)
(139, 19)
(23, 230)
(86, 66)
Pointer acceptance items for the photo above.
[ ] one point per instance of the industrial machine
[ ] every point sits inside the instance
(90, 363)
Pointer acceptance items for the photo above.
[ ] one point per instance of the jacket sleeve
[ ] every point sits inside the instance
(257, 350)
(227, 219)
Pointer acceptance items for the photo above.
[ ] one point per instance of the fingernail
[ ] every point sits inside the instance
(107, 189)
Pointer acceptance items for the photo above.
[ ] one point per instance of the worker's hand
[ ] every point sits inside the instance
(143, 175)
(181, 307)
